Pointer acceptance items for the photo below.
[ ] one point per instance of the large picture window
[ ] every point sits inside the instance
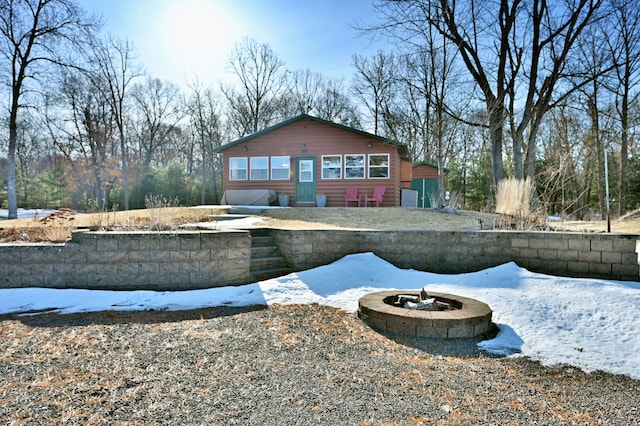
(259, 168)
(354, 166)
(238, 168)
(331, 167)
(280, 168)
(379, 166)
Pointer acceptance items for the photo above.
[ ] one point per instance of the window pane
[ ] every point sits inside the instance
(280, 168)
(259, 168)
(238, 168)
(379, 166)
(306, 171)
(331, 167)
(354, 166)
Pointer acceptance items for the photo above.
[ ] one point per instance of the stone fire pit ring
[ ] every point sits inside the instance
(472, 318)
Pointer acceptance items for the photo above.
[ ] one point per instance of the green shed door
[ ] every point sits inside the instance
(427, 190)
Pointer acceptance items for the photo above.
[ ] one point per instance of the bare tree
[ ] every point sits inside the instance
(160, 107)
(325, 98)
(624, 45)
(35, 34)
(511, 48)
(115, 67)
(373, 84)
(81, 125)
(205, 116)
(255, 103)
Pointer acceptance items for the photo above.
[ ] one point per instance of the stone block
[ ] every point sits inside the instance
(127, 268)
(547, 254)
(138, 256)
(106, 244)
(590, 256)
(98, 257)
(600, 269)
(148, 268)
(180, 256)
(601, 244)
(30, 280)
(626, 272)
(538, 242)
(76, 281)
(128, 243)
(84, 269)
(520, 243)
(190, 241)
(568, 255)
(611, 257)
(196, 256)
(557, 242)
(580, 244)
(149, 244)
(116, 257)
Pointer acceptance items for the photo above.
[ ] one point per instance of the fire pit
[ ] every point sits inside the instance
(452, 317)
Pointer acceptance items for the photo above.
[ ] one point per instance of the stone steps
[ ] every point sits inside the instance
(266, 260)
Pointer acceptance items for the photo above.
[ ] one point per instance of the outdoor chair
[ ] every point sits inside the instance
(378, 194)
(351, 195)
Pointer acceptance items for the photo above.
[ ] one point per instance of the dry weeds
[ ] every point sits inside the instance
(383, 218)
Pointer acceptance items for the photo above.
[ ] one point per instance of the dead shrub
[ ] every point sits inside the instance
(157, 207)
(514, 199)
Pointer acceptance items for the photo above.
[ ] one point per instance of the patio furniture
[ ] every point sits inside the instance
(351, 195)
(378, 194)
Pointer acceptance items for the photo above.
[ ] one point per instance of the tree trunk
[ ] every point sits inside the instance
(496, 123)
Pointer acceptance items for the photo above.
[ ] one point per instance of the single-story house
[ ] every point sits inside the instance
(306, 157)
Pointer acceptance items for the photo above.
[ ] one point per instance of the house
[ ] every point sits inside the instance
(306, 156)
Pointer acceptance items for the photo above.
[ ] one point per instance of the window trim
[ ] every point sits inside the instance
(388, 166)
(271, 167)
(364, 166)
(251, 168)
(246, 168)
(323, 168)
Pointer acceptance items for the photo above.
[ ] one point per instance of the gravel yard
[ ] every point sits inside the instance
(282, 365)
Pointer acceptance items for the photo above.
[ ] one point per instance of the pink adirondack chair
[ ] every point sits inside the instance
(351, 196)
(378, 194)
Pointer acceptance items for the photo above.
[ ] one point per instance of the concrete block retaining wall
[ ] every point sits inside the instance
(191, 260)
(130, 260)
(610, 256)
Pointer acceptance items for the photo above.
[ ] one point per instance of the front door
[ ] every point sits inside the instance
(305, 180)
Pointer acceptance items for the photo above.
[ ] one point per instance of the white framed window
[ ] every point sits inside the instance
(280, 168)
(238, 168)
(305, 174)
(259, 168)
(378, 166)
(331, 167)
(354, 166)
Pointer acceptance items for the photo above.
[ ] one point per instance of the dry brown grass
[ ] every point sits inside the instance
(378, 218)
(383, 218)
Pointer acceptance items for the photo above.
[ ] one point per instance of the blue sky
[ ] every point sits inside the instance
(183, 39)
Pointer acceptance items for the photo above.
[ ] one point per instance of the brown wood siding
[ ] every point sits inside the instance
(406, 173)
(317, 139)
(425, 171)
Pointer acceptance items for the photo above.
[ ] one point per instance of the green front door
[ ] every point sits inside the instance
(305, 180)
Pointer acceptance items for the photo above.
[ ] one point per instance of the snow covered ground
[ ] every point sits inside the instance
(26, 213)
(587, 323)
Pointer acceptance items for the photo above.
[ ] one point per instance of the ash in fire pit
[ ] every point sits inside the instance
(423, 302)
